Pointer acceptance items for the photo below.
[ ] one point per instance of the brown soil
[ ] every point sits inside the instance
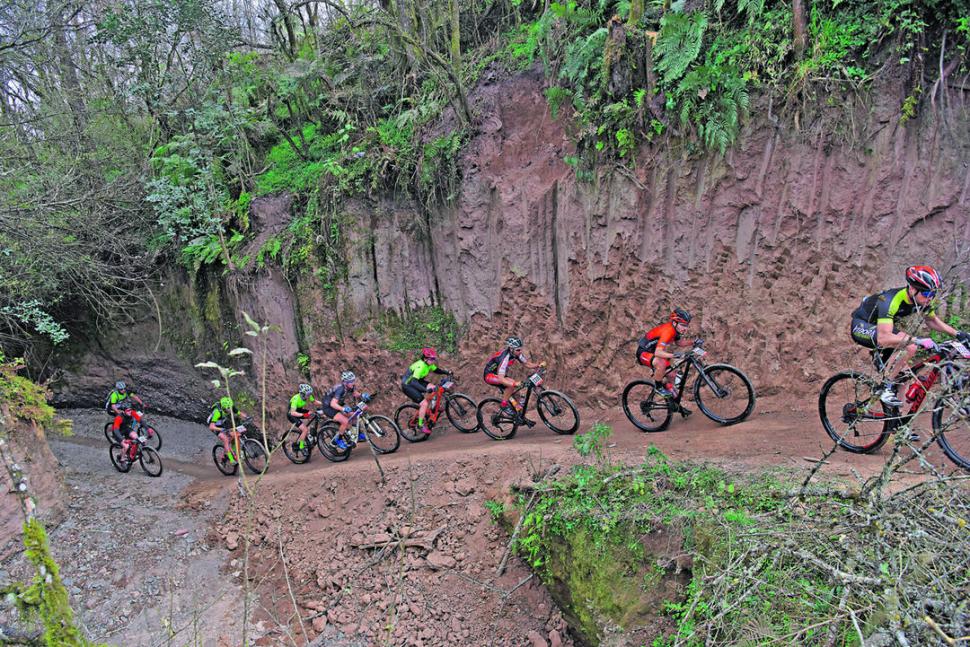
(445, 590)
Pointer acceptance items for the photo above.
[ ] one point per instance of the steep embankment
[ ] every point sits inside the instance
(771, 246)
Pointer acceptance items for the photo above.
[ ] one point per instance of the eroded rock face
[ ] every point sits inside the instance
(26, 445)
(771, 247)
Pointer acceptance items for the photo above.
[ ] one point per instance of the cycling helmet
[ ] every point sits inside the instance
(305, 390)
(429, 354)
(120, 385)
(348, 377)
(679, 315)
(513, 342)
(225, 402)
(923, 277)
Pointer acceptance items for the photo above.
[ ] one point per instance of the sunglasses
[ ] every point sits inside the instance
(927, 294)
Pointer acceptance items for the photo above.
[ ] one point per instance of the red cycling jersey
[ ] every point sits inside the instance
(657, 337)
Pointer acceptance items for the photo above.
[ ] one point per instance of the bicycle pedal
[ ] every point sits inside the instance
(527, 422)
(685, 412)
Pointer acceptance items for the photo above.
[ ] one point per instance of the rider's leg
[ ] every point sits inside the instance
(344, 422)
(304, 430)
(224, 437)
(660, 366)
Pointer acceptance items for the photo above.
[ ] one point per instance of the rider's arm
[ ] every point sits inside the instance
(662, 352)
(134, 396)
(937, 324)
(887, 338)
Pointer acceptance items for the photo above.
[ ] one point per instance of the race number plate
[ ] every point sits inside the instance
(536, 379)
(362, 406)
(699, 352)
(960, 348)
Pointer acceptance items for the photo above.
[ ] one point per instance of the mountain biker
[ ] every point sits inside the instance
(499, 364)
(417, 388)
(874, 324)
(119, 403)
(301, 407)
(224, 411)
(336, 408)
(652, 349)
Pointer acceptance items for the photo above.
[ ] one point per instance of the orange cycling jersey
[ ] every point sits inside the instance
(657, 337)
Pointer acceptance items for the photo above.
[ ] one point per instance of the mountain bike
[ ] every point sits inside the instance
(246, 441)
(380, 431)
(460, 409)
(858, 421)
(555, 409)
(722, 392)
(144, 429)
(138, 450)
(292, 435)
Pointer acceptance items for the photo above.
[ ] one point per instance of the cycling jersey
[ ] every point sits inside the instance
(218, 417)
(340, 392)
(887, 307)
(420, 369)
(300, 405)
(121, 399)
(656, 337)
(499, 363)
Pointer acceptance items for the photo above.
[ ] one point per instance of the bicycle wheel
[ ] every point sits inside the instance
(462, 412)
(496, 424)
(644, 408)
(406, 418)
(951, 426)
(724, 394)
(382, 434)
(292, 450)
(150, 461)
(222, 461)
(107, 432)
(154, 438)
(845, 406)
(254, 456)
(324, 440)
(118, 458)
(558, 412)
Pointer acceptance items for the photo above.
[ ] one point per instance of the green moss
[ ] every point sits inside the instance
(416, 329)
(25, 399)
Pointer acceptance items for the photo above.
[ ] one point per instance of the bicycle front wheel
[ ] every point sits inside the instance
(254, 456)
(644, 408)
(150, 461)
(291, 447)
(951, 426)
(154, 438)
(558, 412)
(108, 435)
(462, 412)
(382, 434)
(852, 414)
(325, 443)
(496, 424)
(724, 394)
(406, 418)
(221, 459)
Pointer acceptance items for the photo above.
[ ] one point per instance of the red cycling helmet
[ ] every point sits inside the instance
(923, 277)
(429, 354)
(679, 315)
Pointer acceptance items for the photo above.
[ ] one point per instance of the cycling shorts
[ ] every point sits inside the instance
(494, 380)
(647, 358)
(298, 420)
(864, 334)
(415, 390)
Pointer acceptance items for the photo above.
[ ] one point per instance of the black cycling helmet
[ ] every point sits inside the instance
(679, 315)
(513, 342)
(120, 385)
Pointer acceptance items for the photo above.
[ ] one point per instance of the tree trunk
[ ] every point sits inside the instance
(800, 26)
(455, 37)
(288, 25)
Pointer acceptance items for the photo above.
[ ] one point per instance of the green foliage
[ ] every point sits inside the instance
(303, 364)
(32, 313)
(416, 329)
(678, 43)
(45, 599)
(594, 441)
(24, 398)
(495, 510)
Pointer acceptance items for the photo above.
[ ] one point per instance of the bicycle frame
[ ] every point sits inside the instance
(691, 359)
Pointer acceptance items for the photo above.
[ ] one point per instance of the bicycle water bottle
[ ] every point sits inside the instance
(678, 378)
(917, 390)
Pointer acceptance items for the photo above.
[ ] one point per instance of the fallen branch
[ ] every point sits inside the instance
(420, 540)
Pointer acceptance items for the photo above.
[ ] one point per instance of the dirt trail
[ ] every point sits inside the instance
(183, 556)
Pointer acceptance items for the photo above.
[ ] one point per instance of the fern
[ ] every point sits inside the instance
(679, 43)
(575, 15)
(556, 96)
(714, 100)
(583, 58)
